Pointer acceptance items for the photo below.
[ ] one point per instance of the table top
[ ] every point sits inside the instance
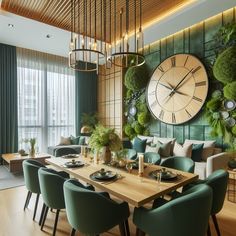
(130, 187)
(17, 157)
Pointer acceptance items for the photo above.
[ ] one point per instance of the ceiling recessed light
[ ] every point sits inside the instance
(10, 25)
(48, 36)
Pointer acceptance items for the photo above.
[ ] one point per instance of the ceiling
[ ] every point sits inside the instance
(58, 12)
(28, 33)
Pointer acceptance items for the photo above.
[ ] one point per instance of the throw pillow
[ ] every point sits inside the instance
(208, 147)
(165, 140)
(148, 138)
(197, 152)
(164, 149)
(74, 140)
(152, 148)
(183, 151)
(139, 145)
(81, 140)
(65, 141)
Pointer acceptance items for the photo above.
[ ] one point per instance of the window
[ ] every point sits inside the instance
(46, 98)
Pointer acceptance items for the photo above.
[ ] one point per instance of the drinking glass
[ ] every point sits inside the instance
(129, 167)
(158, 176)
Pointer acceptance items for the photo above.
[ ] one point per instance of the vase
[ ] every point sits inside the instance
(106, 154)
(32, 151)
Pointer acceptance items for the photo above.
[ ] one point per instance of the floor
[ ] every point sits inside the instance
(14, 221)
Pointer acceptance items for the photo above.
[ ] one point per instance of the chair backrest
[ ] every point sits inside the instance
(184, 216)
(218, 181)
(131, 154)
(51, 185)
(91, 212)
(64, 151)
(179, 163)
(30, 170)
(152, 157)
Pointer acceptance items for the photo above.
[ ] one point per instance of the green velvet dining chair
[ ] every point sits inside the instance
(186, 215)
(30, 171)
(92, 213)
(64, 151)
(179, 163)
(218, 181)
(152, 157)
(51, 185)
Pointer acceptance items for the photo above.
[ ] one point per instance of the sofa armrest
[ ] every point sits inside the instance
(217, 161)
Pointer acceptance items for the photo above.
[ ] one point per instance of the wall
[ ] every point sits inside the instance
(197, 40)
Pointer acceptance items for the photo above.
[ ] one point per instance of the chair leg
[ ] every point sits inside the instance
(72, 233)
(127, 228)
(122, 229)
(208, 230)
(29, 194)
(44, 216)
(36, 205)
(216, 225)
(55, 224)
(42, 212)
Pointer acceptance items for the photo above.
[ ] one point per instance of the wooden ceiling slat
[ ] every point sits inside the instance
(57, 12)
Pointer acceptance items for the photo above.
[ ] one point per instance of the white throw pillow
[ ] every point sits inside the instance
(208, 147)
(65, 141)
(152, 149)
(183, 151)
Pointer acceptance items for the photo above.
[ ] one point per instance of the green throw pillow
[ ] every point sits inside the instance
(164, 148)
(82, 141)
(74, 140)
(139, 145)
(197, 152)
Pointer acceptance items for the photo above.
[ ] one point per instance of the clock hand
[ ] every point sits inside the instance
(176, 87)
(170, 88)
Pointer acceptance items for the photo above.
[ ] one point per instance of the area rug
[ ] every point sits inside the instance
(10, 180)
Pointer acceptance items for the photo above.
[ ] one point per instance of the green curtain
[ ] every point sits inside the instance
(85, 95)
(8, 99)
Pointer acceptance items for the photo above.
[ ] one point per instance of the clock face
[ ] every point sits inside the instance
(177, 89)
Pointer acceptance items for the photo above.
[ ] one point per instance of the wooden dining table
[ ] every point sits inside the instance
(129, 187)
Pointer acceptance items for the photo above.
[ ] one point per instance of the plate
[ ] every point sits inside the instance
(70, 156)
(167, 175)
(103, 175)
(70, 164)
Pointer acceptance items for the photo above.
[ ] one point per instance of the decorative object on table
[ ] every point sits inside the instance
(120, 158)
(22, 152)
(105, 139)
(178, 100)
(141, 164)
(32, 142)
(165, 174)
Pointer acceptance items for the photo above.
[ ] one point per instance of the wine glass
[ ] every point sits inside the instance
(129, 167)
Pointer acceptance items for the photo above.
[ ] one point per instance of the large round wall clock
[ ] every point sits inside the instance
(177, 89)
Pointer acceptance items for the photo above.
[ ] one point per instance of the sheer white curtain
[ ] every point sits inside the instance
(46, 98)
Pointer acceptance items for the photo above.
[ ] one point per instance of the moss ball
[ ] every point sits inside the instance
(143, 118)
(234, 130)
(138, 129)
(230, 90)
(214, 104)
(224, 66)
(217, 94)
(129, 93)
(136, 78)
(129, 131)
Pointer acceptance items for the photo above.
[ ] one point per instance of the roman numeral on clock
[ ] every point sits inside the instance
(196, 69)
(161, 115)
(173, 61)
(153, 104)
(189, 115)
(173, 118)
(197, 99)
(161, 69)
(202, 83)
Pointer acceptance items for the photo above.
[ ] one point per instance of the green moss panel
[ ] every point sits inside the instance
(197, 40)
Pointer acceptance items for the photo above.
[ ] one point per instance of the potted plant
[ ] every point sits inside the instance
(105, 139)
(88, 121)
